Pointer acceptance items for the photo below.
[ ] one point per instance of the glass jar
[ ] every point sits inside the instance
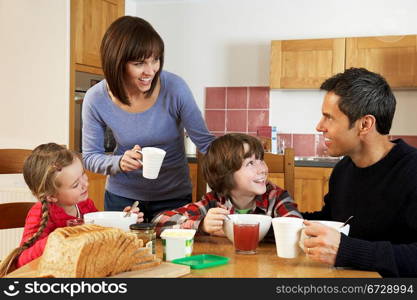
(145, 232)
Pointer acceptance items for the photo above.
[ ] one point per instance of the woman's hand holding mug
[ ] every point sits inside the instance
(130, 159)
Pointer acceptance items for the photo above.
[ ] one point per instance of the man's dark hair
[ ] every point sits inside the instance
(363, 93)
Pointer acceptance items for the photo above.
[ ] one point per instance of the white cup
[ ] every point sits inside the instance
(151, 161)
(287, 234)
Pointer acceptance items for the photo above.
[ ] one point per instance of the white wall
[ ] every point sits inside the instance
(227, 42)
(34, 72)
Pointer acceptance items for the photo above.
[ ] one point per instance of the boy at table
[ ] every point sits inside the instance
(237, 174)
(376, 181)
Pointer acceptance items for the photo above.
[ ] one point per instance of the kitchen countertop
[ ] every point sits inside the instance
(300, 161)
(316, 161)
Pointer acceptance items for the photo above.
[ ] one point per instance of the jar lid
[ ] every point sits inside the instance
(142, 226)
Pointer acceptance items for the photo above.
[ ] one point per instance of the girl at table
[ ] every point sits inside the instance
(237, 174)
(56, 177)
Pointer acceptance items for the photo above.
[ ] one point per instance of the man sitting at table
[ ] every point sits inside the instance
(376, 181)
(237, 174)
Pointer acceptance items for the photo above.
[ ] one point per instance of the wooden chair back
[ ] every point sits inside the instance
(13, 215)
(283, 163)
(277, 163)
(12, 160)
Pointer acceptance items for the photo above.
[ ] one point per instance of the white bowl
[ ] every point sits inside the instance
(264, 224)
(111, 219)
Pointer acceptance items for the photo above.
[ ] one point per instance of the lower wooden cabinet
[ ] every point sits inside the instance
(193, 177)
(311, 185)
(96, 188)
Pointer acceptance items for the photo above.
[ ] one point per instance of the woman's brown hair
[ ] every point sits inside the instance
(225, 156)
(39, 171)
(129, 39)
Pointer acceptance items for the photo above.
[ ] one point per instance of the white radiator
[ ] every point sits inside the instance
(12, 189)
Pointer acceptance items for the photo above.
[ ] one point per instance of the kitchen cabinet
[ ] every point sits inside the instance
(311, 185)
(96, 188)
(193, 176)
(90, 19)
(394, 57)
(305, 63)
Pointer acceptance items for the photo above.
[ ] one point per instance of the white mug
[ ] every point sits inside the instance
(151, 161)
(287, 234)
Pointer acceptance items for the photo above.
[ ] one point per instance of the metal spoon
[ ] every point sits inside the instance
(135, 204)
(346, 222)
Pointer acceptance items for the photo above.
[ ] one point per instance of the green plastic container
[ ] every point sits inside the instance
(202, 261)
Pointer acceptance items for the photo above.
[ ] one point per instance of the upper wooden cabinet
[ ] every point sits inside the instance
(394, 57)
(305, 63)
(90, 20)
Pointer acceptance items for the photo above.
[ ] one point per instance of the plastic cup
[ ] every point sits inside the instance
(246, 237)
(178, 243)
(287, 234)
(151, 161)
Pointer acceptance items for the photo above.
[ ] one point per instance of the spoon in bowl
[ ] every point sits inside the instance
(131, 209)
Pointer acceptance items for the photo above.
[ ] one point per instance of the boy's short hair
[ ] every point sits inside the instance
(225, 156)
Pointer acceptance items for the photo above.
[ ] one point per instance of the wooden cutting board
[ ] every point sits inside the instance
(164, 270)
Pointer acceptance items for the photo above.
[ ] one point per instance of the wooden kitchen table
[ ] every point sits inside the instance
(264, 264)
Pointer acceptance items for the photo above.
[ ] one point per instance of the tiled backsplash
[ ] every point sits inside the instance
(245, 109)
(236, 109)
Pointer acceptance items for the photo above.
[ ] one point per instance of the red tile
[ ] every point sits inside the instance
(409, 139)
(215, 120)
(216, 97)
(304, 144)
(257, 118)
(259, 97)
(321, 149)
(287, 137)
(237, 97)
(264, 131)
(236, 121)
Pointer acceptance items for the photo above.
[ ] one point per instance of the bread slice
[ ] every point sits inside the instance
(126, 258)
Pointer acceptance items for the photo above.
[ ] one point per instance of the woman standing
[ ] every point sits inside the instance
(143, 106)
